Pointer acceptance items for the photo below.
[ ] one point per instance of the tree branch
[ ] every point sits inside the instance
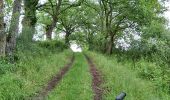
(72, 5)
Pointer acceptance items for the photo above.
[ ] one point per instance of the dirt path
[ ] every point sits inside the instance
(54, 81)
(97, 80)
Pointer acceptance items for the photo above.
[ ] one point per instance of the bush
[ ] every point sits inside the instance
(53, 45)
(148, 70)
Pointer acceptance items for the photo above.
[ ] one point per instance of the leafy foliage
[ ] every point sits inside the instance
(96, 25)
(53, 45)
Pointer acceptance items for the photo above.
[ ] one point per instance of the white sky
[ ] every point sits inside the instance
(75, 47)
(167, 13)
(42, 1)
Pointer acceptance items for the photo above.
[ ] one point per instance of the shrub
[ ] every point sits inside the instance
(53, 45)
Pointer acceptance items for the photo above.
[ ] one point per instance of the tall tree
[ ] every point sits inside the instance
(30, 19)
(90, 25)
(123, 14)
(13, 30)
(56, 11)
(68, 20)
(55, 8)
(2, 32)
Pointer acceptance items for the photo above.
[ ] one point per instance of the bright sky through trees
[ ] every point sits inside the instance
(167, 13)
(76, 48)
(125, 45)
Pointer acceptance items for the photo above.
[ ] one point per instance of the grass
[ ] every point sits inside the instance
(76, 84)
(34, 69)
(118, 78)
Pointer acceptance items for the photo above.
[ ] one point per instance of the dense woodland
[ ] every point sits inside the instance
(132, 34)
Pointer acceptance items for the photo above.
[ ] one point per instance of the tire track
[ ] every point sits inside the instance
(96, 81)
(54, 81)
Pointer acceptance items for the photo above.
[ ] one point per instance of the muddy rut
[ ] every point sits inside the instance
(54, 81)
(96, 81)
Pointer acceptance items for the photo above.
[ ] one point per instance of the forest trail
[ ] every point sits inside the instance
(90, 76)
(84, 81)
(54, 81)
(81, 81)
(120, 46)
(97, 79)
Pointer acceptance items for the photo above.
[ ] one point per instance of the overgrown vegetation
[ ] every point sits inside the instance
(118, 77)
(34, 68)
(133, 33)
(53, 45)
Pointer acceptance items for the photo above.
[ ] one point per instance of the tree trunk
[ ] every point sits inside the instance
(13, 30)
(50, 28)
(2, 43)
(2, 33)
(110, 45)
(67, 38)
(107, 44)
(55, 20)
(104, 32)
(29, 20)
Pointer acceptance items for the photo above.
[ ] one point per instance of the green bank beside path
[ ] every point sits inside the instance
(118, 78)
(31, 74)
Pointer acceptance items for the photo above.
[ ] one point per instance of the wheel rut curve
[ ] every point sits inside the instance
(96, 79)
(54, 81)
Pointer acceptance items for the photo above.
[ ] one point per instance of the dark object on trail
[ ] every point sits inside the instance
(121, 96)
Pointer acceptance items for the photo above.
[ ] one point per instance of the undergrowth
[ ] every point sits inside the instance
(120, 77)
(34, 66)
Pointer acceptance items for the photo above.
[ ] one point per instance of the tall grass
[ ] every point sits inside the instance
(34, 67)
(118, 78)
